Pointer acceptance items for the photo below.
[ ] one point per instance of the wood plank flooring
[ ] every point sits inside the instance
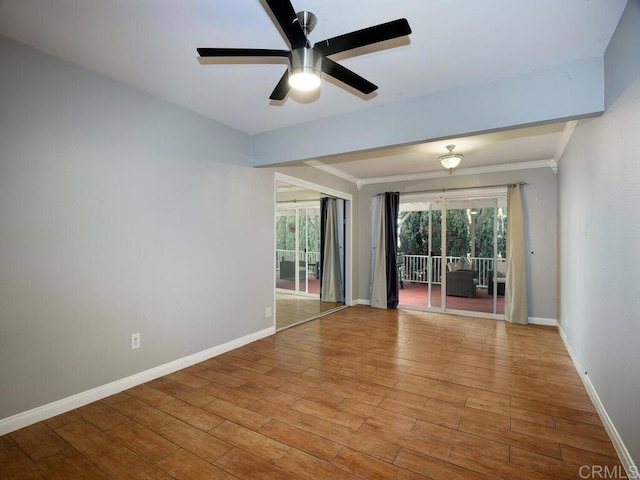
(292, 309)
(358, 394)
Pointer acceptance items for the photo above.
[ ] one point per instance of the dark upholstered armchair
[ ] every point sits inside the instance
(460, 283)
(500, 283)
(287, 270)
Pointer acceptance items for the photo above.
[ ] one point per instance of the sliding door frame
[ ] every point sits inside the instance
(348, 230)
(443, 198)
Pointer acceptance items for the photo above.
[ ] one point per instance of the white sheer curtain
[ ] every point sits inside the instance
(331, 284)
(379, 290)
(516, 302)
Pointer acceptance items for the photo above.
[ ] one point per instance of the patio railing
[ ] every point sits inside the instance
(311, 257)
(415, 268)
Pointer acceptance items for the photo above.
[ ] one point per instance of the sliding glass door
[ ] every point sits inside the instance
(452, 253)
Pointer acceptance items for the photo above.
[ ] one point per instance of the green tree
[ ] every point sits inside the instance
(458, 234)
(413, 236)
(414, 232)
(308, 231)
(484, 232)
(285, 232)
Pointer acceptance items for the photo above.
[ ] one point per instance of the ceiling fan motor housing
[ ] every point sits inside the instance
(306, 60)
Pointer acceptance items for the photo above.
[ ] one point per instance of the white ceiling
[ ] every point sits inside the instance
(151, 45)
(531, 147)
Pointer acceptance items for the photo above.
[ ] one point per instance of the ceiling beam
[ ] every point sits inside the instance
(570, 91)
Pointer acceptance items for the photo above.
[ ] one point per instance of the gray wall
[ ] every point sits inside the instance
(599, 197)
(119, 213)
(540, 206)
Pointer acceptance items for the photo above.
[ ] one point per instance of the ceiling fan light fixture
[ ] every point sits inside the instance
(306, 65)
(450, 160)
(304, 81)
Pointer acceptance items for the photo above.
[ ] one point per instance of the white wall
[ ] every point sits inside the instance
(599, 198)
(540, 206)
(119, 213)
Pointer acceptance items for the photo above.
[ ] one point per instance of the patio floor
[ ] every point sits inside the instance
(314, 284)
(415, 295)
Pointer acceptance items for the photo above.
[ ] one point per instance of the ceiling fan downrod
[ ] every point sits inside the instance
(307, 21)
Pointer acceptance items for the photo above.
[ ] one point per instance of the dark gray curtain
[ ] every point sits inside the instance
(331, 283)
(392, 205)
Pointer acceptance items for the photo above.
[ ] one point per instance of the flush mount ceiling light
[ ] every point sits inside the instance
(450, 160)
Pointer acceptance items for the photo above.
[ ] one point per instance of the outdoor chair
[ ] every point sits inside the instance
(461, 283)
(501, 280)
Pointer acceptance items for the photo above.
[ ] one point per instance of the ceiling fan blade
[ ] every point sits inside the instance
(288, 21)
(366, 36)
(282, 88)
(241, 52)
(345, 75)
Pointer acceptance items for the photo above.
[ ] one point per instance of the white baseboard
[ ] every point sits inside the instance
(550, 322)
(618, 444)
(44, 412)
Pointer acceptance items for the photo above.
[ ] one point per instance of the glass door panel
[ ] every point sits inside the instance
(309, 247)
(298, 249)
(461, 279)
(496, 282)
(286, 249)
(472, 248)
(419, 258)
(435, 255)
(302, 252)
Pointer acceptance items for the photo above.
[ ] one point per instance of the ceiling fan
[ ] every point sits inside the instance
(306, 62)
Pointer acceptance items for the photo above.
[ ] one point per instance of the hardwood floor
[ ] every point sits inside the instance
(358, 394)
(292, 309)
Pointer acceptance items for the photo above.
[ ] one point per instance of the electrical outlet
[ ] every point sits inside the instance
(135, 340)
(267, 312)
